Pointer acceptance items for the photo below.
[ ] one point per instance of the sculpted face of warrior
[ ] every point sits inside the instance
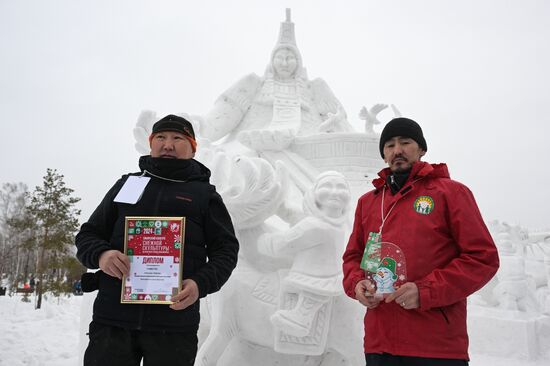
(285, 63)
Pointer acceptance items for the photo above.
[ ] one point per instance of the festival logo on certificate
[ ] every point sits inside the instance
(154, 246)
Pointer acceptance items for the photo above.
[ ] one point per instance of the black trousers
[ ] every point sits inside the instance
(385, 359)
(113, 346)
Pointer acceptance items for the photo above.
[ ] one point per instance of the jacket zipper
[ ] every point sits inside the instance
(155, 212)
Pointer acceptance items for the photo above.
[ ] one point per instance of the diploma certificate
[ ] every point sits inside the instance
(154, 246)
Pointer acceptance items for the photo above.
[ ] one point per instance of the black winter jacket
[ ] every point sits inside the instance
(208, 234)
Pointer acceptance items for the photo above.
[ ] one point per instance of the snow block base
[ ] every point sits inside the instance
(505, 333)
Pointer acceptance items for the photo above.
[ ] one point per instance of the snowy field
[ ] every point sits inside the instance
(45, 337)
(50, 336)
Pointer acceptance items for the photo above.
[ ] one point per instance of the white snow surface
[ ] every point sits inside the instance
(50, 336)
(44, 337)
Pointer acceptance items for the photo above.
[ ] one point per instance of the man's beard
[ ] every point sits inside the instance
(402, 168)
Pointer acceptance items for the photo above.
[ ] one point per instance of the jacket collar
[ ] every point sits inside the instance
(180, 169)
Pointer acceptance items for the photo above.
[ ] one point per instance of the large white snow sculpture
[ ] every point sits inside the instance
(275, 144)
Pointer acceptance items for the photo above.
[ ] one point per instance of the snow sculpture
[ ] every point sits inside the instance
(521, 274)
(284, 116)
(283, 101)
(370, 116)
(512, 290)
(142, 131)
(283, 296)
(264, 286)
(546, 298)
(314, 245)
(514, 303)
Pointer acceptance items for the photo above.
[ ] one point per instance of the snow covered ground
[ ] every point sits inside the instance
(50, 336)
(45, 337)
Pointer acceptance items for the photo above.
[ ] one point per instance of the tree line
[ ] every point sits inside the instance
(37, 237)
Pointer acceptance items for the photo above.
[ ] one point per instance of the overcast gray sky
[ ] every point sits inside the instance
(75, 75)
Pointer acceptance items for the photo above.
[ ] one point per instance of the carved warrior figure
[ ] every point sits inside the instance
(283, 100)
(314, 244)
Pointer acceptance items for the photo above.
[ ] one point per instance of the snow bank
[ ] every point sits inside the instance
(48, 336)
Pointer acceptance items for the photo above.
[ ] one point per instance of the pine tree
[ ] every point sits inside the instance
(54, 220)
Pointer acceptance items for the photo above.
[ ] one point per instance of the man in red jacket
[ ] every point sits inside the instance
(420, 237)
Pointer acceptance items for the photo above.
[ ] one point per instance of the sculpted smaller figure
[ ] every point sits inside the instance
(313, 243)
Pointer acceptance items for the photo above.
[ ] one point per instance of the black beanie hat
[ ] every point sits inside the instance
(402, 127)
(174, 123)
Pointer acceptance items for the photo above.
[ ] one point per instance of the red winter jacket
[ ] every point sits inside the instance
(449, 255)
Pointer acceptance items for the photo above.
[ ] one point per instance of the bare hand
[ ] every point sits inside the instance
(114, 263)
(188, 295)
(406, 296)
(365, 294)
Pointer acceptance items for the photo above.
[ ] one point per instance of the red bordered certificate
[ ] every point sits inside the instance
(154, 246)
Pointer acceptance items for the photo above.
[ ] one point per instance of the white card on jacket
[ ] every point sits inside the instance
(132, 190)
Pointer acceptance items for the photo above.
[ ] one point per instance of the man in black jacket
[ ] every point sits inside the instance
(123, 334)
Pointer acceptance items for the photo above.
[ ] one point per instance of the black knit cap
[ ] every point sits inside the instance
(402, 127)
(174, 123)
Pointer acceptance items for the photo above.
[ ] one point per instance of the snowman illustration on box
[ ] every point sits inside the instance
(384, 265)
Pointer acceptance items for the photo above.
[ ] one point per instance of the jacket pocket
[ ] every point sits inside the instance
(442, 311)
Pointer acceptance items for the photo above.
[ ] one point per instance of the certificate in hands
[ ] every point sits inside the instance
(154, 246)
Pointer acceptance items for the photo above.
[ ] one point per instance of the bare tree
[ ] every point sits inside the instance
(13, 201)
